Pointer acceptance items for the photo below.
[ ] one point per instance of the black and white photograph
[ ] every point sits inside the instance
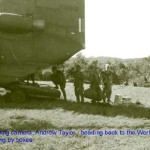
(74, 74)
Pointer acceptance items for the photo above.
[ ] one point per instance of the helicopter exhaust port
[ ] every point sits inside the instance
(15, 23)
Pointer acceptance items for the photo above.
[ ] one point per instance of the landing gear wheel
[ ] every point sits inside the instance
(18, 96)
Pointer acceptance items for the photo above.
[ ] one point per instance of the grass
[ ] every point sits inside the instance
(82, 108)
(55, 119)
(27, 119)
(58, 114)
(31, 125)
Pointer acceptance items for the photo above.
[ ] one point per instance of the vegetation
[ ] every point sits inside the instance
(45, 114)
(123, 70)
(134, 111)
(85, 108)
(130, 70)
(54, 115)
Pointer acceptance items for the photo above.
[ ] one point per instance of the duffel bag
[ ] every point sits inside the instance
(89, 93)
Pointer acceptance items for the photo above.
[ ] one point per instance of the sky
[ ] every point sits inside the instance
(117, 28)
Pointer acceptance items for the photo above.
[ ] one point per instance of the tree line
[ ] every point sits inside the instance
(130, 70)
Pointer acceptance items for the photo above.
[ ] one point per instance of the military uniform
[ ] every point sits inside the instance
(107, 85)
(78, 85)
(58, 78)
(95, 81)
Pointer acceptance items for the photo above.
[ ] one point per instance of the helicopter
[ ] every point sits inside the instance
(35, 34)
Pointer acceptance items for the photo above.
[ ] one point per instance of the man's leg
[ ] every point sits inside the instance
(93, 89)
(55, 83)
(62, 87)
(32, 77)
(96, 88)
(82, 98)
(104, 94)
(76, 90)
(81, 93)
(109, 91)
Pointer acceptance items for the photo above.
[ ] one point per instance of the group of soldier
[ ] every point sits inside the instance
(100, 83)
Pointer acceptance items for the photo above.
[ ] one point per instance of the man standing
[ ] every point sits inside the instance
(32, 78)
(107, 81)
(58, 78)
(78, 84)
(95, 82)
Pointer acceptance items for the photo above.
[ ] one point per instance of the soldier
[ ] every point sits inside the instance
(106, 74)
(78, 84)
(32, 78)
(95, 81)
(145, 80)
(58, 78)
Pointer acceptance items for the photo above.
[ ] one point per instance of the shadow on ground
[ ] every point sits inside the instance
(81, 108)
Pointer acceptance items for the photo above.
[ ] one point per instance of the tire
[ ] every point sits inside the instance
(7, 98)
(17, 96)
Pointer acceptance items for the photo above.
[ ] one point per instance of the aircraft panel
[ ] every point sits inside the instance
(37, 33)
